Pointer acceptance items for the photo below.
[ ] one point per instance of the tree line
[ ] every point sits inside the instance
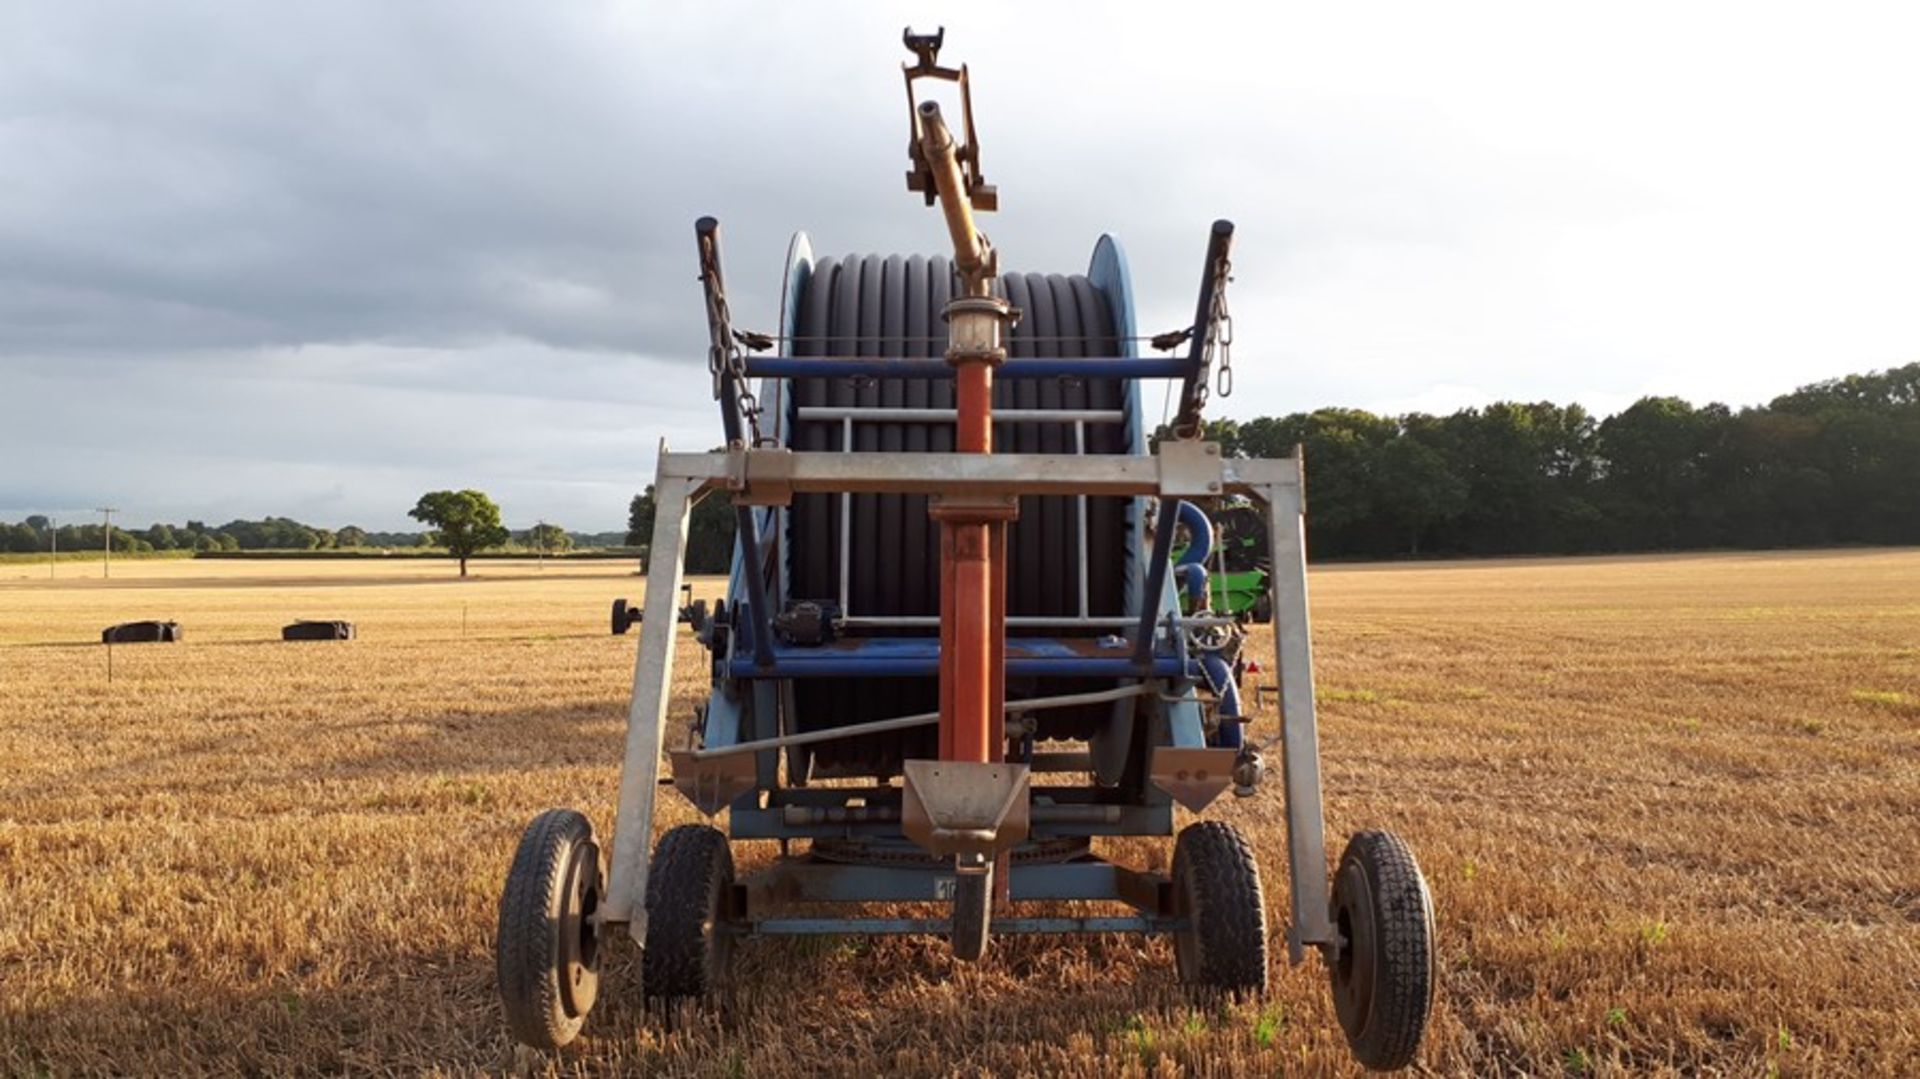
(1835, 462)
(37, 534)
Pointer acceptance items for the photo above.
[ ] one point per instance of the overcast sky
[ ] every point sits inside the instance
(314, 259)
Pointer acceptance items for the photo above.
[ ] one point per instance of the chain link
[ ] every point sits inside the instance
(1216, 349)
(725, 358)
(1223, 322)
(1216, 357)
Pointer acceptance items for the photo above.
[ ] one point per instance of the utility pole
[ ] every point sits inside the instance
(106, 545)
(53, 536)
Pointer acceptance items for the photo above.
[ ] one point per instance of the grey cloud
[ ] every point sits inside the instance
(260, 258)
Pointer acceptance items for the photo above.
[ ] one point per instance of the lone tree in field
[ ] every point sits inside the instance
(710, 528)
(551, 539)
(463, 522)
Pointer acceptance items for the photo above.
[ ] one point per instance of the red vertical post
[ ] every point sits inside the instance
(969, 663)
(972, 527)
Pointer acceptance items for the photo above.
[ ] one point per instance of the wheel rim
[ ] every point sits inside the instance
(1186, 941)
(719, 939)
(1353, 967)
(579, 943)
(972, 913)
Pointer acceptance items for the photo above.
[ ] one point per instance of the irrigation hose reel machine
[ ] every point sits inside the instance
(957, 646)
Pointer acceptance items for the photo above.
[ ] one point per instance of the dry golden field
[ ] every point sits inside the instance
(1669, 807)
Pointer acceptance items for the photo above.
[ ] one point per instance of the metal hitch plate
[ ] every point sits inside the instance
(1195, 777)
(1190, 469)
(713, 783)
(964, 807)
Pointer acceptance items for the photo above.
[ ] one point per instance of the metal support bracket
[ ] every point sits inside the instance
(977, 509)
(1190, 469)
(771, 477)
(972, 808)
(1194, 777)
(1299, 729)
(712, 783)
(625, 900)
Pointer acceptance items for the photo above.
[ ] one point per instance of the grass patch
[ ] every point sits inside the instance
(10, 558)
(1267, 1027)
(1884, 698)
(1348, 696)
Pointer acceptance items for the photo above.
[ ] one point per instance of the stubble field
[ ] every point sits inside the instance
(1669, 808)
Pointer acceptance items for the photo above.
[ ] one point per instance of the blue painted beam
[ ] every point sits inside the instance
(1095, 880)
(1091, 881)
(1016, 367)
(1135, 820)
(919, 657)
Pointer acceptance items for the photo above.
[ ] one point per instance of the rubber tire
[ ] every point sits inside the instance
(1383, 976)
(689, 896)
(972, 914)
(1263, 609)
(1216, 889)
(620, 621)
(556, 880)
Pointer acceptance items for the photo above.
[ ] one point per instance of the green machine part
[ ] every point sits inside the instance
(1238, 576)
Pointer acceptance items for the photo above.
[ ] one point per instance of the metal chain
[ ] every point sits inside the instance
(1223, 338)
(725, 358)
(1217, 346)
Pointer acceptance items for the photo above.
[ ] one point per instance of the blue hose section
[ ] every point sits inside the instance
(1228, 735)
(1192, 577)
(1191, 569)
(1220, 678)
(1191, 572)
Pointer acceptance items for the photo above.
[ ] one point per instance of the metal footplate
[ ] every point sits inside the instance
(711, 782)
(1194, 777)
(963, 808)
(973, 812)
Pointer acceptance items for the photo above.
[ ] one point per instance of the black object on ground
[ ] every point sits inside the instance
(322, 629)
(150, 632)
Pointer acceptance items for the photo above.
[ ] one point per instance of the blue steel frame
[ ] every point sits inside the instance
(1017, 367)
(919, 657)
(749, 690)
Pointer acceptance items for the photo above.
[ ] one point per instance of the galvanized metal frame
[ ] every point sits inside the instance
(1300, 730)
(625, 901)
(770, 477)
